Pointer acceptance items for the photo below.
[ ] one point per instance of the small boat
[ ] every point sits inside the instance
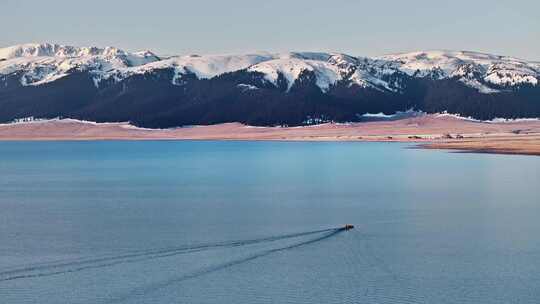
(348, 227)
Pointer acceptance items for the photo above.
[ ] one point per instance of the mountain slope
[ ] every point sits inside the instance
(109, 84)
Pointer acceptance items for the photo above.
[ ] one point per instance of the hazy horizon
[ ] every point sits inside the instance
(361, 28)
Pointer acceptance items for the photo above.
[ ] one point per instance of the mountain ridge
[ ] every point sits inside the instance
(259, 88)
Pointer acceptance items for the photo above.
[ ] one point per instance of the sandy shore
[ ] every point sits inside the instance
(525, 144)
(518, 137)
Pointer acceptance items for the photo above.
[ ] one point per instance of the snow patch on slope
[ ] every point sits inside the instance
(505, 74)
(206, 67)
(494, 120)
(475, 84)
(325, 73)
(203, 67)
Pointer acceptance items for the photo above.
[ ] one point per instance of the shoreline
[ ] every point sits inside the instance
(509, 145)
(427, 131)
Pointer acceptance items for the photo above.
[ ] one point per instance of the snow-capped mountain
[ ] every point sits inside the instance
(42, 63)
(335, 86)
(488, 70)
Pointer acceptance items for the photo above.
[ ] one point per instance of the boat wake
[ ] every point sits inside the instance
(328, 233)
(70, 266)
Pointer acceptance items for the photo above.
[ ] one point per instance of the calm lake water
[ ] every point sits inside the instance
(254, 222)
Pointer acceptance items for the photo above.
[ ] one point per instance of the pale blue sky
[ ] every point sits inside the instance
(354, 27)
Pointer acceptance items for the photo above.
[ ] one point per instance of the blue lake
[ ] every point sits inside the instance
(255, 222)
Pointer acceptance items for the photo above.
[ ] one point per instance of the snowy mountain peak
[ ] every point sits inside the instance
(45, 62)
(56, 50)
(35, 50)
(489, 69)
